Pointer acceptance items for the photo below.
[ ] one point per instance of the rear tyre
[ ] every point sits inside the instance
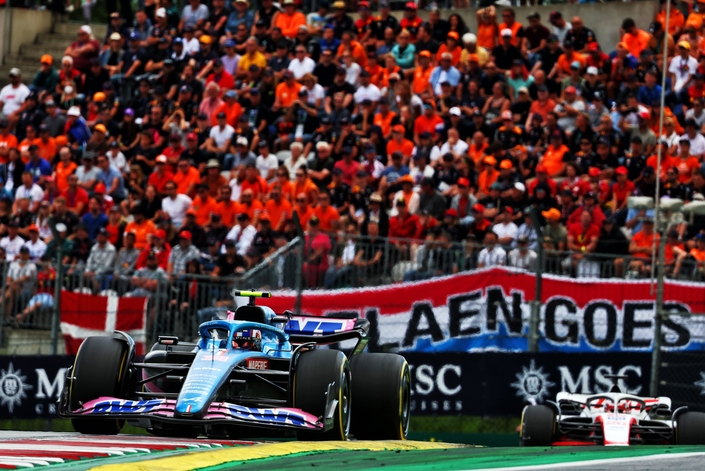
(381, 386)
(99, 370)
(538, 424)
(690, 428)
(315, 370)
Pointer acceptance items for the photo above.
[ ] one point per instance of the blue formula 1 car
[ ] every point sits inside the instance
(252, 371)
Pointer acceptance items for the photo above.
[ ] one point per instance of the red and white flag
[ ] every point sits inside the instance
(87, 315)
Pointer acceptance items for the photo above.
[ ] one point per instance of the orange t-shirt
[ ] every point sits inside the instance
(356, 51)
(422, 124)
(686, 167)
(485, 180)
(46, 149)
(384, 76)
(487, 35)
(304, 217)
(275, 211)
(694, 19)
(232, 114)
(306, 189)
(537, 107)
(62, 174)
(475, 153)
(406, 147)
(636, 42)
(142, 232)
(184, 180)
(286, 94)
(160, 181)
(259, 187)
(214, 186)
(643, 241)
(326, 216)
(697, 254)
(516, 26)
(553, 159)
(564, 62)
(666, 162)
(228, 210)
(252, 210)
(24, 149)
(7, 142)
(677, 20)
(421, 79)
(455, 52)
(204, 209)
(289, 24)
(384, 122)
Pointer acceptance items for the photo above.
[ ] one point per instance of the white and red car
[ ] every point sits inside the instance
(612, 419)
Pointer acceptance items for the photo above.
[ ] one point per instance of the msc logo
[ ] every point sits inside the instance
(125, 407)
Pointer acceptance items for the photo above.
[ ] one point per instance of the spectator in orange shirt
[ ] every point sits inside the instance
(422, 74)
(509, 17)
(302, 208)
(636, 39)
(213, 178)
(304, 185)
(385, 119)
(186, 178)
(161, 175)
(253, 181)
(63, 169)
(452, 45)
(427, 122)
(227, 208)
(565, 61)
(287, 92)
(230, 107)
(347, 43)
(642, 245)
(488, 175)
(553, 157)
(204, 205)
(289, 20)
(250, 205)
(685, 163)
(141, 227)
(278, 208)
(7, 141)
(398, 143)
(675, 22)
(326, 214)
(542, 106)
(46, 144)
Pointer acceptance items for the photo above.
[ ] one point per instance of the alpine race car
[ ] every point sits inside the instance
(253, 370)
(613, 418)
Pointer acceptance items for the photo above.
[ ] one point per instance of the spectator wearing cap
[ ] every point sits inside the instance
(681, 69)
(504, 228)
(46, 78)
(240, 15)
(404, 224)
(287, 92)
(289, 19)
(85, 48)
(566, 62)
(463, 201)
(543, 105)
(159, 247)
(506, 53)
(37, 247)
(569, 109)
(181, 254)
(554, 230)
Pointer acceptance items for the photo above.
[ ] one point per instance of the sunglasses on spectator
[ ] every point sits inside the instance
(300, 200)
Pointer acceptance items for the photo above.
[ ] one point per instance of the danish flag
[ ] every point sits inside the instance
(87, 315)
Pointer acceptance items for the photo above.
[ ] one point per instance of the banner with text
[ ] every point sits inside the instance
(30, 385)
(501, 384)
(489, 310)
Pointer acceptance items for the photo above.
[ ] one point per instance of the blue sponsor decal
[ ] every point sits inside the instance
(274, 416)
(125, 407)
(315, 326)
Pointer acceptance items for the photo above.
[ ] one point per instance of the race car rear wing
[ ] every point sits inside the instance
(327, 330)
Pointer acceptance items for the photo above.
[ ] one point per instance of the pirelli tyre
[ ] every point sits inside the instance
(98, 371)
(315, 370)
(690, 428)
(538, 426)
(381, 391)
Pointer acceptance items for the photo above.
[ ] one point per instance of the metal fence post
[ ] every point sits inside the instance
(57, 297)
(536, 304)
(299, 275)
(661, 272)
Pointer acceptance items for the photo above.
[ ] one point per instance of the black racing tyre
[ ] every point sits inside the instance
(98, 371)
(315, 370)
(690, 428)
(538, 425)
(381, 386)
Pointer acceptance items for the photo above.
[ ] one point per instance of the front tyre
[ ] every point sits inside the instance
(538, 425)
(381, 386)
(99, 370)
(315, 370)
(690, 428)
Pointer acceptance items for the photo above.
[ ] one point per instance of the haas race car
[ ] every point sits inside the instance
(613, 418)
(252, 371)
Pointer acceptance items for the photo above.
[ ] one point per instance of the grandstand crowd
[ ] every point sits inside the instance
(185, 141)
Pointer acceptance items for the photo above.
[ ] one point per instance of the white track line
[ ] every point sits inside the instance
(79, 449)
(613, 461)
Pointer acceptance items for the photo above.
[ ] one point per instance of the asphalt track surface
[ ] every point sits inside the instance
(70, 451)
